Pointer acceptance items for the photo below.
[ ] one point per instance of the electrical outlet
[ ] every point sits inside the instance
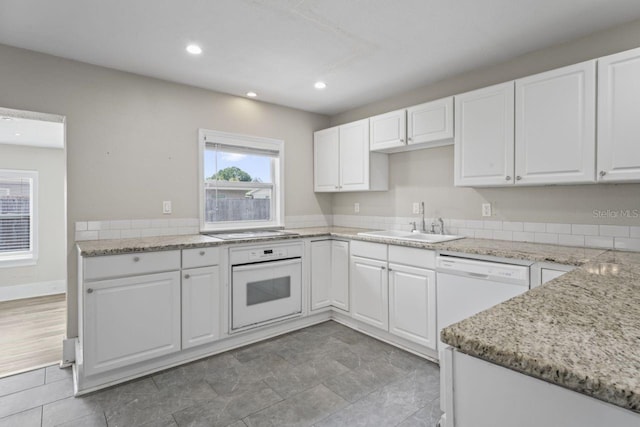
(416, 207)
(486, 209)
(166, 207)
(356, 207)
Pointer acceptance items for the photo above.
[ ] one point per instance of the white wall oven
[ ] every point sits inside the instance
(266, 284)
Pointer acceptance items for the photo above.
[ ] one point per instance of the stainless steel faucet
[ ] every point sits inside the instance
(439, 225)
(424, 225)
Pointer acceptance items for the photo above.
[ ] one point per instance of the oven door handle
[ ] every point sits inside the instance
(262, 265)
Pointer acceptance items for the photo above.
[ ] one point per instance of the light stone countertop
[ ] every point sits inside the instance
(580, 331)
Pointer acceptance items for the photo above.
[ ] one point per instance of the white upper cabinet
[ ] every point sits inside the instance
(619, 117)
(555, 126)
(431, 122)
(326, 160)
(484, 136)
(388, 130)
(342, 160)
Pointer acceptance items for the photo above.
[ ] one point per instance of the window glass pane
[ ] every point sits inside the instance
(237, 204)
(15, 214)
(232, 166)
(268, 290)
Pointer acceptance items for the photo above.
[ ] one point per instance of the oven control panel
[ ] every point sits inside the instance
(262, 254)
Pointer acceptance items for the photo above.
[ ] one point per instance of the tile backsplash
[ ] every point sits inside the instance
(580, 235)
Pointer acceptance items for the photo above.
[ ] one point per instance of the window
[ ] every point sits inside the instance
(240, 181)
(18, 225)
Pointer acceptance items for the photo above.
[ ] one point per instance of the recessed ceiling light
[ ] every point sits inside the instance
(252, 94)
(320, 85)
(7, 118)
(194, 49)
(17, 134)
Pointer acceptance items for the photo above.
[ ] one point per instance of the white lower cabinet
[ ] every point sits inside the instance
(412, 304)
(130, 320)
(330, 274)
(369, 291)
(200, 306)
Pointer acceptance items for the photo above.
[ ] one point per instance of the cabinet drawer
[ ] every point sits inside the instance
(200, 257)
(423, 258)
(103, 267)
(369, 250)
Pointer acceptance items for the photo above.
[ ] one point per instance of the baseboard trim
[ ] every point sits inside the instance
(31, 290)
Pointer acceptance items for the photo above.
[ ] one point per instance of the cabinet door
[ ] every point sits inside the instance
(555, 126)
(618, 117)
(130, 320)
(412, 304)
(326, 160)
(369, 292)
(430, 122)
(340, 274)
(388, 130)
(484, 141)
(320, 274)
(200, 306)
(354, 156)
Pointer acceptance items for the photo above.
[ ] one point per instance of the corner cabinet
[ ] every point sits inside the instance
(556, 125)
(342, 161)
(329, 274)
(618, 117)
(484, 137)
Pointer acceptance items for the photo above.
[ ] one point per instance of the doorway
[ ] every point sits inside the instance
(33, 264)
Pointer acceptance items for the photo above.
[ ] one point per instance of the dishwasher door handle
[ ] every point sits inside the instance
(478, 275)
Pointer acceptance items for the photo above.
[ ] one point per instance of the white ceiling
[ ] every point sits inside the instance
(365, 50)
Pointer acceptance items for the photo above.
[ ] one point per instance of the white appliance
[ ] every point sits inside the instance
(266, 284)
(466, 287)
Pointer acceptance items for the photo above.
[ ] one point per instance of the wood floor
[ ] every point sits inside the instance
(31, 333)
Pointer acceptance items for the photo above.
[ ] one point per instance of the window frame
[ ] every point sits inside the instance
(24, 258)
(206, 136)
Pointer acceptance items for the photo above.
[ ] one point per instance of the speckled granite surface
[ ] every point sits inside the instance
(580, 331)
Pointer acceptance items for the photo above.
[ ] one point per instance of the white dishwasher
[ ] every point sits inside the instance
(465, 287)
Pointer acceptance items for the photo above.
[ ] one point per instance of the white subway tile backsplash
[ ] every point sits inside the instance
(558, 228)
(614, 230)
(108, 234)
(626, 244)
(140, 223)
(87, 235)
(474, 224)
(484, 234)
(535, 227)
(466, 232)
(512, 226)
(523, 236)
(570, 240)
(129, 234)
(123, 224)
(548, 238)
(598, 242)
(81, 226)
(159, 223)
(97, 225)
(503, 235)
(458, 223)
(492, 225)
(584, 229)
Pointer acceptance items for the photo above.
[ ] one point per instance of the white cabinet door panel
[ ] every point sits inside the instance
(200, 306)
(340, 274)
(388, 130)
(369, 292)
(555, 126)
(321, 273)
(619, 117)
(484, 136)
(326, 160)
(412, 304)
(429, 122)
(130, 320)
(354, 156)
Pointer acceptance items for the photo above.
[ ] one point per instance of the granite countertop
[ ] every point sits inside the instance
(580, 331)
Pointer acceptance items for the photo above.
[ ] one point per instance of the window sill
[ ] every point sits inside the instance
(18, 261)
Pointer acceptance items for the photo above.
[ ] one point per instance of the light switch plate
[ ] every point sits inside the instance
(486, 209)
(356, 207)
(416, 207)
(166, 207)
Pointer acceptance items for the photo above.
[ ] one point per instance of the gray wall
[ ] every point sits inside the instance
(132, 140)
(50, 164)
(428, 174)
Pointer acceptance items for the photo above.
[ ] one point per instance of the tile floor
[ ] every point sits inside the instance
(325, 375)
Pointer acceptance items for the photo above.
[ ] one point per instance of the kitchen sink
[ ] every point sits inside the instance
(411, 236)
